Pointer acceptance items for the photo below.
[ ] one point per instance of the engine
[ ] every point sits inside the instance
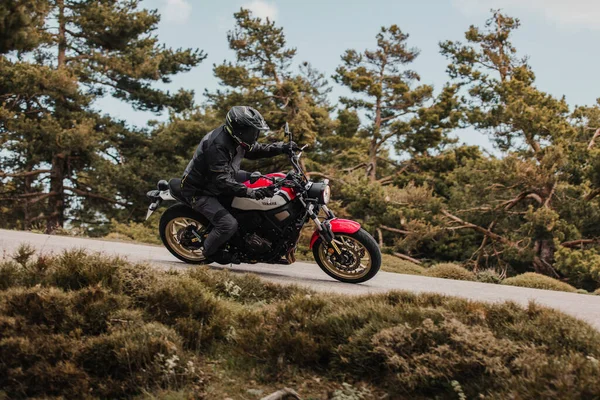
(257, 244)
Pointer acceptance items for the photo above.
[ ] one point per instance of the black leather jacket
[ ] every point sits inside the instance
(216, 162)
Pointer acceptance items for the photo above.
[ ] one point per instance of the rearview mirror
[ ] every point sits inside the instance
(287, 131)
(255, 176)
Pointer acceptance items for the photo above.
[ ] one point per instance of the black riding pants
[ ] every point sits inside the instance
(224, 224)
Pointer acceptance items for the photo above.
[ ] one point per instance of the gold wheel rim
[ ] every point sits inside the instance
(362, 258)
(172, 230)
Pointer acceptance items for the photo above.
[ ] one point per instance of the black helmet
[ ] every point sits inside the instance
(244, 124)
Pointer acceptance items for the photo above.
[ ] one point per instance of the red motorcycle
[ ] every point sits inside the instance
(269, 229)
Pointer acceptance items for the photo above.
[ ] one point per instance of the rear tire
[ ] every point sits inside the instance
(181, 212)
(369, 245)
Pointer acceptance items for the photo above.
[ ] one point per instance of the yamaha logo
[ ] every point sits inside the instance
(268, 202)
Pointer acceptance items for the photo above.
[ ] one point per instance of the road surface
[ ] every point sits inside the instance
(586, 307)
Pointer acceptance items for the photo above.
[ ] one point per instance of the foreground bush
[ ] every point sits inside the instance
(450, 271)
(119, 330)
(539, 281)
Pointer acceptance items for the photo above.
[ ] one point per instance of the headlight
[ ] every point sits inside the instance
(320, 191)
(326, 194)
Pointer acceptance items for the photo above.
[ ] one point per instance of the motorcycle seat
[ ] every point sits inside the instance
(175, 189)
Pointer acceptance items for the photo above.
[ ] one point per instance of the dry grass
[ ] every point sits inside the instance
(390, 263)
(85, 326)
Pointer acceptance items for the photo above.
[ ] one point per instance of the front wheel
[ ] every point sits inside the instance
(359, 261)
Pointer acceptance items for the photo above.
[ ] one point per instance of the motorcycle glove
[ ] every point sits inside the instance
(289, 147)
(261, 193)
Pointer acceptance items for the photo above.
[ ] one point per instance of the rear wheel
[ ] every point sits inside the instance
(360, 259)
(177, 227)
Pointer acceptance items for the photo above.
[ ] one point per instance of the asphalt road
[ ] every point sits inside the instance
(586, 307)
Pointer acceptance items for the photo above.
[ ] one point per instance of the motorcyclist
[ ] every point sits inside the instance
(214, 172)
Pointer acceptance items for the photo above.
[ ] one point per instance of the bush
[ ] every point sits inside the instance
(450, 271)
(455, 352)
(390, 263)
(175, 299)
(244, 288)
(147, 356)
(75, 269)
(131, 330)
(488, 276)
(580, 266)
(597, 292)
(538, 281)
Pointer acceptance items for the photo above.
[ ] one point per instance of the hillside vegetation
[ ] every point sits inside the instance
(85, 326)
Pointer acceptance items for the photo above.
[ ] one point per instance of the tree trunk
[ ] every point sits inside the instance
(62, 34)
(56, 203)
(374, 146)
(544, 257)
(372, 166)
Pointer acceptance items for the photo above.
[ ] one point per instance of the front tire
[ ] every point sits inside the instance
(361, 257)
(175, 219)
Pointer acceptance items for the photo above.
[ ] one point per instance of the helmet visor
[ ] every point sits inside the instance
(248, 135)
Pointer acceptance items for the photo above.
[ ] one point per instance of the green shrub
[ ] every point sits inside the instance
(50, 307)
(538, 281)
(450, 271)
(488, 276)
(174, 297)
(580, 266)
(130, 331)
(149, 356)
(597, 292)
(447, 351)
(244, 288)
(10, 275)
(75, 269)
(390, 263)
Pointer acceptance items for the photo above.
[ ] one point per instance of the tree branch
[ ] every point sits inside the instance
(593, 141)
(355, 167)
(476, 228)
(24, 173)
(407, 258)
(395, 230)
(95, 196)
(579, 242)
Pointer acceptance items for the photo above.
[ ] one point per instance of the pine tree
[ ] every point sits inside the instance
(397, 110)
(263, 77)
(60, 151)
(538, 199)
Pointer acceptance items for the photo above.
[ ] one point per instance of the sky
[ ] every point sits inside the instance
(561, 37)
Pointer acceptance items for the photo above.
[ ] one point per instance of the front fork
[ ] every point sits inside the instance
(324, 228)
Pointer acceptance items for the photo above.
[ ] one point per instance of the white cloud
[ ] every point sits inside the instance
(176, 11)
(567, 13)
(262, 9)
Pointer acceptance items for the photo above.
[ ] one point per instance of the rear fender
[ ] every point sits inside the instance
(338, 226)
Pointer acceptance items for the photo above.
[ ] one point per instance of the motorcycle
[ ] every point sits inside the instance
(269, 229)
